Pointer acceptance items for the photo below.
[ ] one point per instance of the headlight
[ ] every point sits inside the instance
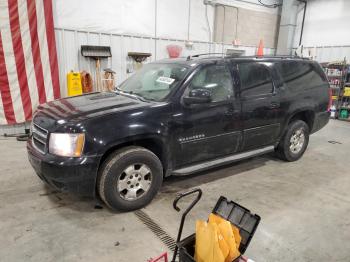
(70, 145)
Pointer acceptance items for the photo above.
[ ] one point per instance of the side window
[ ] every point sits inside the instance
(217, 79)
(300, 75)
(255, 79)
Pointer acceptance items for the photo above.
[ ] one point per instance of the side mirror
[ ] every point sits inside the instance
(198, 96)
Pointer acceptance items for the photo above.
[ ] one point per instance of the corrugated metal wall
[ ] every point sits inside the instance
(329, 53)
(13, 129)
(69, 42)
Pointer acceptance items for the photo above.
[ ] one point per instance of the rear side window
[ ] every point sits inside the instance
(255, 79)
(300, 75)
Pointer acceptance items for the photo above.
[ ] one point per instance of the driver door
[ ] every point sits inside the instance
(208, 130)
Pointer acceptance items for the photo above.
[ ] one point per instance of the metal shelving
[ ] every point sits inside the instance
(337, 75)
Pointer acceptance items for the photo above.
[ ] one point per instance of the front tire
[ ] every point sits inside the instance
(294, 142)
(130, 178)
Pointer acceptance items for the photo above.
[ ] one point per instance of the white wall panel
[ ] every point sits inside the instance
(13, 129)
(106, 16)
(136, 17)
(172, 17)
(327, 23)
(328, 53)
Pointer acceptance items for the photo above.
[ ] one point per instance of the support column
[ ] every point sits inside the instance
(287, 27)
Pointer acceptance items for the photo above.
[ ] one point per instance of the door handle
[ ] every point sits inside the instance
(274, 105)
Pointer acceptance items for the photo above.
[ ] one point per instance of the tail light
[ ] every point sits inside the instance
(330, 100)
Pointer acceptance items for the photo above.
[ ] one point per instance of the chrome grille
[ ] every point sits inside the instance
(39, 138)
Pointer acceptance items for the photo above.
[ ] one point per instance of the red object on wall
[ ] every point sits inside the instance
(28, 59)
(174, 51)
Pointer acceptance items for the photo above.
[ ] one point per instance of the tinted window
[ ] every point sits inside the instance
(217, 79)
(255, 79)
(300, 75)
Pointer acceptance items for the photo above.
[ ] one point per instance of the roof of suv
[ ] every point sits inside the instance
(205, 58)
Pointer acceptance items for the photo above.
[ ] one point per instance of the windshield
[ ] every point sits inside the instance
(154, 81)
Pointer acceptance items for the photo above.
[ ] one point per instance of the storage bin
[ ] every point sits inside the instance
(239, 216)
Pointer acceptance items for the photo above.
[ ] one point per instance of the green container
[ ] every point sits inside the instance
(344, 114)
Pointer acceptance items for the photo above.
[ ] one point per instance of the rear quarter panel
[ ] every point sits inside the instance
(302, 86)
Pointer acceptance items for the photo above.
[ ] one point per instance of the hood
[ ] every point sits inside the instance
(90, 105)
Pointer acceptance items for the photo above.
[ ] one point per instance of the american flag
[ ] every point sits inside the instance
(28, 58)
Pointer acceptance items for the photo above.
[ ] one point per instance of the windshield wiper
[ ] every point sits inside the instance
(131, 94)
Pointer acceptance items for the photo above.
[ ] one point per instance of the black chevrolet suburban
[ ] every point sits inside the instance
(177, 117)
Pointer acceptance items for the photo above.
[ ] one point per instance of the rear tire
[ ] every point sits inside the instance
(130, 178)
(294, 142)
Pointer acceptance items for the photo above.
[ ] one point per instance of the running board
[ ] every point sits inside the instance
(218, 162)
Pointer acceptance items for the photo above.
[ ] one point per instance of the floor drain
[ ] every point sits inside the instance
(156, 229)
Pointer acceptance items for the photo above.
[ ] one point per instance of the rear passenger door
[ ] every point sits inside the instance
(260, 105)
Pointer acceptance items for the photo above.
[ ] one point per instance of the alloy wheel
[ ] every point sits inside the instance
(134, 181)
(297, 141)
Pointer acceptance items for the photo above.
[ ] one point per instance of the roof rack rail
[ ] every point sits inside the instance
(251, 56)
(198, 55)
(281, 57)
(271, 56)
(208, 54)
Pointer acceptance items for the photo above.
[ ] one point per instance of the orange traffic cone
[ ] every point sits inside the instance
(260, 48)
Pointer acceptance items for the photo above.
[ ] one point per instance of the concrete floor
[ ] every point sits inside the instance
(305, 209)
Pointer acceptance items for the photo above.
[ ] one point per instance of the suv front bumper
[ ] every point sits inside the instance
(67, 174)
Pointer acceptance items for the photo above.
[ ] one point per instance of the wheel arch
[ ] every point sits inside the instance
(305, 114)
(154, 144)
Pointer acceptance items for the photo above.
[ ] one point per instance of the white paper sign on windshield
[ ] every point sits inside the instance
(165, 80)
